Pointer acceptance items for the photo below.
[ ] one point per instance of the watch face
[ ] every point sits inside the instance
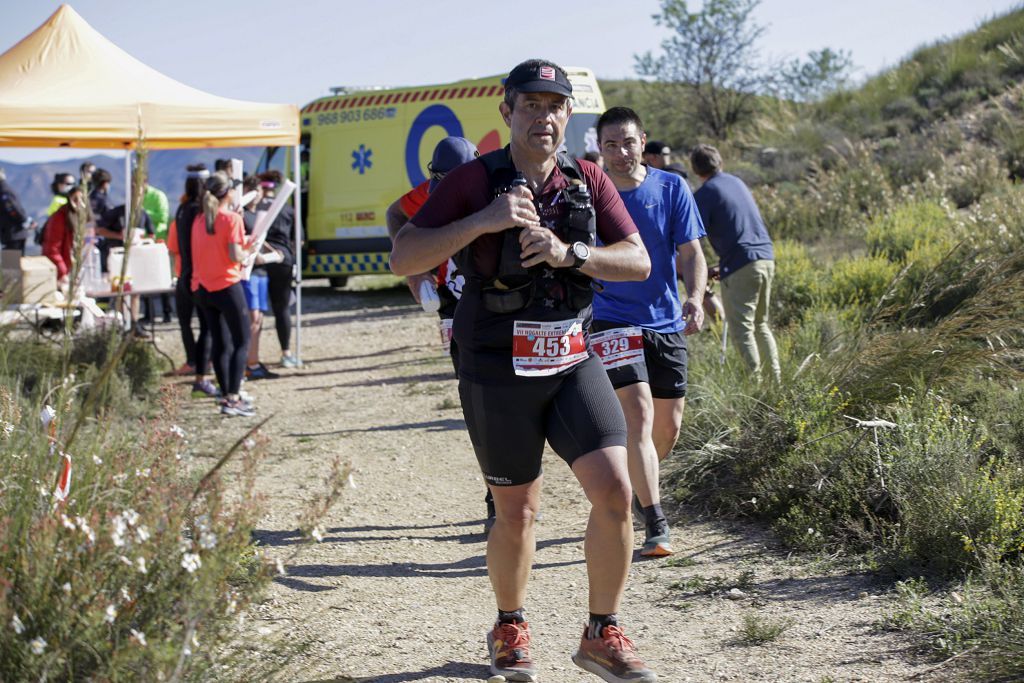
(580, 250)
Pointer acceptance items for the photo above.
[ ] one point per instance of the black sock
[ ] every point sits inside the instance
(514, 617)
(598, 622)
(653, 515)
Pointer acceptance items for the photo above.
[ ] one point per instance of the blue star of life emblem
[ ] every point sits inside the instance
(361, 159)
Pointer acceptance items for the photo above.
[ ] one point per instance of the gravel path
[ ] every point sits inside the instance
(397, 590)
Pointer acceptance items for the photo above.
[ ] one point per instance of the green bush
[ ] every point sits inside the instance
(133, 576)
(895, 234)
(795, 285)
(858, 283)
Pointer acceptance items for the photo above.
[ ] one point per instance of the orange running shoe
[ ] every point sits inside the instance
(613, 657)
(509, 648)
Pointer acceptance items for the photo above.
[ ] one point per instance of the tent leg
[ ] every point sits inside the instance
(127, 189)
(296, 169)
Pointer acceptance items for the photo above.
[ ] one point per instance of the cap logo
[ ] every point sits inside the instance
(547, 73)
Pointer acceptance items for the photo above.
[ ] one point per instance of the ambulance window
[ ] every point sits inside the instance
(581, 135)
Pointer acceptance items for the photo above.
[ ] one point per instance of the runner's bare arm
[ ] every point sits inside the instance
(395, 218)
(416, 249)
(693, 270)
(623, 261)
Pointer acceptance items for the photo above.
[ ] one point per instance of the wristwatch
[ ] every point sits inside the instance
(580, 253)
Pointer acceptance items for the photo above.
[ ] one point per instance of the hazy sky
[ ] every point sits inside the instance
(293, 51)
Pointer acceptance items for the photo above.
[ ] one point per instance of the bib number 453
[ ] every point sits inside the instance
(547, 348)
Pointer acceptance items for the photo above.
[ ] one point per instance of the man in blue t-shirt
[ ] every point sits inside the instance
(746, 258)
(640, 328)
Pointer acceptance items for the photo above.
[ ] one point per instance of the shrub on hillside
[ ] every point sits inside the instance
(858, 283)
(895, 234)
(135, 574)
(795, 285)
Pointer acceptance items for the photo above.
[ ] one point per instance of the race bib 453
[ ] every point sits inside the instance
(540, 349)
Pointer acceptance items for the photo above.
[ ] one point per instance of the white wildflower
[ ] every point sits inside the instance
(66, 587)
(97, 460)
(232, 606)
(125, 595)
(140, 563)
(249, 444)
(86, 529)
(131, 516)
(191, 562)
(178, 431)
(38, 644)
(125, 560)
(184, 545)
(143, 473)
(142, 534)
(317, 533)
(280, 567)
(120, 478)
(139, 636)
(66, 522)
(110, 615)
(208, 540)
(16, 624)
(203, 522)
(118, 532)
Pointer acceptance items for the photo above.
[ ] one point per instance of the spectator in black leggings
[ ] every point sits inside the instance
(179, 242)
(219, 247)
(279, 282)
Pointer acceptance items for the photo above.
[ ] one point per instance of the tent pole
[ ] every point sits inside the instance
(127, 189)
(296, 172)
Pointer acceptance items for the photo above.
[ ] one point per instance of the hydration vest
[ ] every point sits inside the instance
(513, 287)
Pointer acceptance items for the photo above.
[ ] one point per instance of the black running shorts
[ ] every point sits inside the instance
(664, 366)
(576, 412)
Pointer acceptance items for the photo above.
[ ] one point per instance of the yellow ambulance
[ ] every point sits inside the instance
(362, 150)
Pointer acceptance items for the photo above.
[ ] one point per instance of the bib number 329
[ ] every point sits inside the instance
(618, 346)
(540, 349)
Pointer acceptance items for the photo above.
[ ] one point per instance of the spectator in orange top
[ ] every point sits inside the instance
(219, 247)
(59, 233)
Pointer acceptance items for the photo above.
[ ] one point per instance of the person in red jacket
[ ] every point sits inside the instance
(59, 233)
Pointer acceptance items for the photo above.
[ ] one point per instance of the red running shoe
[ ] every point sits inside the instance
(509, 648)
(613, 657)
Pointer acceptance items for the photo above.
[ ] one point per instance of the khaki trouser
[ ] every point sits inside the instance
(746, 296)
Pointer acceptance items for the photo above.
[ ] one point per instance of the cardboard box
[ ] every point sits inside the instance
(27, 279)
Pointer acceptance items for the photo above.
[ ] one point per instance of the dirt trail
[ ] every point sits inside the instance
(398, 590)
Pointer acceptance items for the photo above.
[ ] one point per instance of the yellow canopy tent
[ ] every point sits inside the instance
(65, 85)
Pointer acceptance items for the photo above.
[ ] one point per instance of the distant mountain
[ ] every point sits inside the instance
(166, 171)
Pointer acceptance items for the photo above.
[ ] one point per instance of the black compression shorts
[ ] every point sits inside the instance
(508, 423)
(664, 366)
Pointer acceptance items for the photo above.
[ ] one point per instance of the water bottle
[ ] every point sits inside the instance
(428, 297)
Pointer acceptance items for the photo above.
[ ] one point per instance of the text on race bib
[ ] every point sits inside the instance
(618, 346)
(540, 349)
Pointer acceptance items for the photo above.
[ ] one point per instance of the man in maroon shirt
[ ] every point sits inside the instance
(526, 374)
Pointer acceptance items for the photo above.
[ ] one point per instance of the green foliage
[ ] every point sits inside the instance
(980, 622)
(134, 576)
(796, 283)
(759, 630)
(723, 90)
(858, 283)
(936, 80)
(894, 235)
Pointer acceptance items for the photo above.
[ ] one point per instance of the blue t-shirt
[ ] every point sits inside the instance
(666, 216)
(734, 224)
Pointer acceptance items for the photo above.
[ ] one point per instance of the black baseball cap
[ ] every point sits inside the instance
(535, 75)
(656, 147)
